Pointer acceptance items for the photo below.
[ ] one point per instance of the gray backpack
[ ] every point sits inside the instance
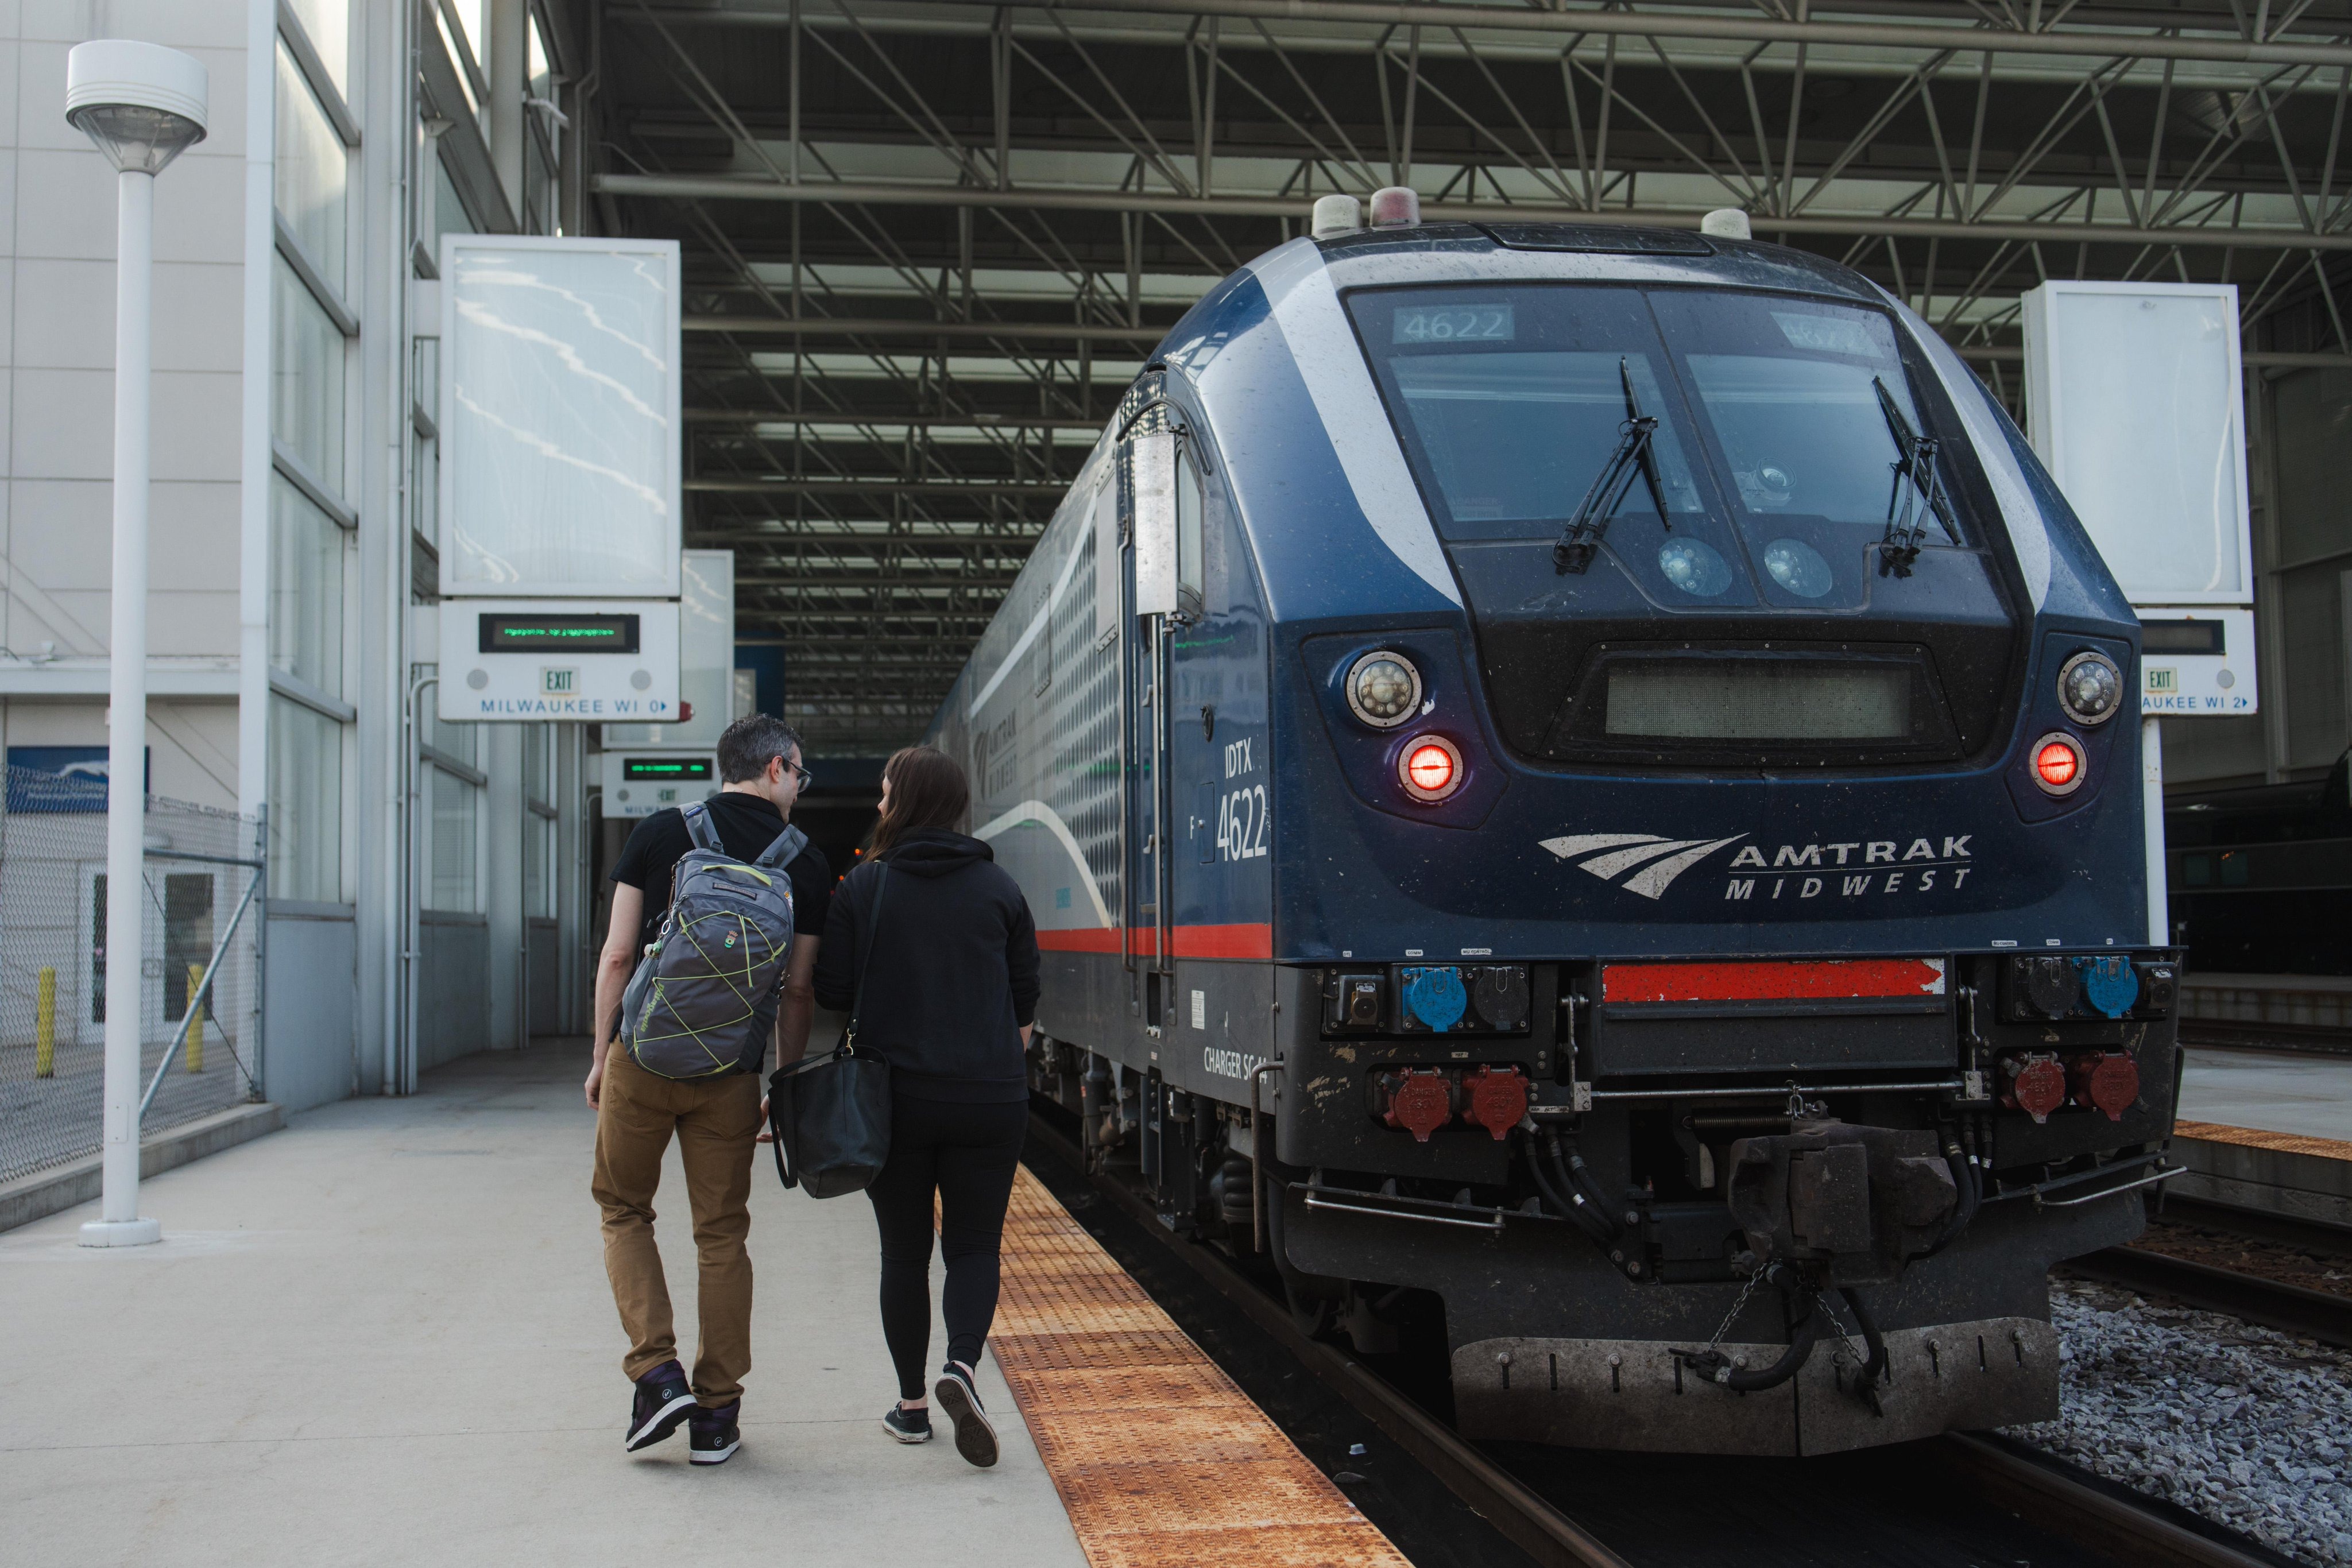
(703, 1001)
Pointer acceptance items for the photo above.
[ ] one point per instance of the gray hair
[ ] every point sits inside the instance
(748, 745)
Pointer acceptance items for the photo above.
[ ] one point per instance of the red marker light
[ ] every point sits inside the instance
(2058, 764)
(1430, 767)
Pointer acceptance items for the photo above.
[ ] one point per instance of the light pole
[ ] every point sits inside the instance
(143, 105)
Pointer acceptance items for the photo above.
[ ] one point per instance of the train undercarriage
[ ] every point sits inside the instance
(1744, 1225)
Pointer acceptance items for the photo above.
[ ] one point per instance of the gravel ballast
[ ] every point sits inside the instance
(2248, 1426)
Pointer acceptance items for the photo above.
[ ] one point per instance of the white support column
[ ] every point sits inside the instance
(119, 1224)
(509, 33)
(253, 465)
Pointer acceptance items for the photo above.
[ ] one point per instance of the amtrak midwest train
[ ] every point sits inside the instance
(1584, 773)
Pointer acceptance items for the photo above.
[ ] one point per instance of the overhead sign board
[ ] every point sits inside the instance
(559, 417)
(706, 654)
(586, 661)
(2135, 401)
(639, 783)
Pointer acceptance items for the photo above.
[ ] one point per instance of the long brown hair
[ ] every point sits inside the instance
(928, 789)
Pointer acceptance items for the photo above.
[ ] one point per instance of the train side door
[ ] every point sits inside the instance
(1161, 500)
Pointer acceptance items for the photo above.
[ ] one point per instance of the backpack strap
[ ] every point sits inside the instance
(784, 851)
(697, 826)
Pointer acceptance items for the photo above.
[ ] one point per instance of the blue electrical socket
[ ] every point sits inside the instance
(2109, 984)
(1436, 996)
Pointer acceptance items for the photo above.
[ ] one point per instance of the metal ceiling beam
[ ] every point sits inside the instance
(887, 327)
(2254, 358)
(978, 489)
(1727, 27)
(750, 188)
(1008, 423)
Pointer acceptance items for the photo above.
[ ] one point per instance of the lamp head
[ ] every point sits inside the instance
(143, 104)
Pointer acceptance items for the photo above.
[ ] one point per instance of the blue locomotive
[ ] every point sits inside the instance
(1581, 772)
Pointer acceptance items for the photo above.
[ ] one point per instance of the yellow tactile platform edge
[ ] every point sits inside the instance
(2254, 1138)
(1159, 1459)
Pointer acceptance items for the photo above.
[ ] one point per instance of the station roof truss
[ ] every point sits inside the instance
(929, 243)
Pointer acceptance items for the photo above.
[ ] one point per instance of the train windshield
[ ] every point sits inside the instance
(1780, 421)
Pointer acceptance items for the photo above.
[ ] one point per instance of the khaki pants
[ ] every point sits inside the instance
(716, 1121)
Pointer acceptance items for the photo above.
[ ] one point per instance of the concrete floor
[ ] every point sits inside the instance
(2273, 1091)
(384, 1336)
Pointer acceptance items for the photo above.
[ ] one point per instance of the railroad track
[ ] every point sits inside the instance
(2045, 1492)
(2322, 1315)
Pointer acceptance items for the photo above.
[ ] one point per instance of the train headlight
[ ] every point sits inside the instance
(2058, 764)
(2090, 688)
(1384, 689)
(1430, 769)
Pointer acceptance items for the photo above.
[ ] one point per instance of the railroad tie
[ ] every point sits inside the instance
(1158, 1457)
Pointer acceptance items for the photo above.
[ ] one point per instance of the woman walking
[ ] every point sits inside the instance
(932, 945)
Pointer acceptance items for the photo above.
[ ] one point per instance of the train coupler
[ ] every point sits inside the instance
(1852, 1203)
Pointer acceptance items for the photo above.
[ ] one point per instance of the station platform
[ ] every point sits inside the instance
(2303, 1094)
(384, 1335)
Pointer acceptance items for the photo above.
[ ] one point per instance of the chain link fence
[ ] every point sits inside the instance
(200, 1009)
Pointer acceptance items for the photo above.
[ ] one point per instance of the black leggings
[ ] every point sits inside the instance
(968, 1154)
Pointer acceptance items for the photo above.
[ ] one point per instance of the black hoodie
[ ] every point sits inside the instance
(953, 971)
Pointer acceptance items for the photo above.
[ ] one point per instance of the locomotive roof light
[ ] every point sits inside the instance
(2058, 764)
(1395, 207)
(2090, 688)
(1384, 689)
(1339, 215)
(1430, 769)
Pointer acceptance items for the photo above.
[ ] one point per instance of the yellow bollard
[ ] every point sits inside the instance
(196, 1021)
(45, 1026)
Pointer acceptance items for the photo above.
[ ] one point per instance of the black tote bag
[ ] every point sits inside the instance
(831, 1114)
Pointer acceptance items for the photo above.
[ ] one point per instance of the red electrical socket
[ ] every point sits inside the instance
(1498, 1100)
(1420, 1102)
(2033, 1084)
(2104, 1081)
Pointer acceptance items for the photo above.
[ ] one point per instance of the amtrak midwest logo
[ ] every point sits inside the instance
(1648, 863)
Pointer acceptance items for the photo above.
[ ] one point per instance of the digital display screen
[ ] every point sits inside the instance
(1452, 324)
(559, 633)
(668, 770)
(2181, 637)
(1758, 699)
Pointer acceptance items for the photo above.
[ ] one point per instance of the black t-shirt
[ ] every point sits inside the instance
(747, 825)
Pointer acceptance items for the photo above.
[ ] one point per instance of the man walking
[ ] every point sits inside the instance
(716, 1119)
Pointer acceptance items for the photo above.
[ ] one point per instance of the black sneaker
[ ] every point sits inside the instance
(711, 1434)
(909, 1426)
(975, 1438)
(663, 1401)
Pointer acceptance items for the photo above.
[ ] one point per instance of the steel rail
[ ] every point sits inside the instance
(756, 188)
(2043, 1491)
(2047, 1492)
(2290, 1309)
(1730, 26)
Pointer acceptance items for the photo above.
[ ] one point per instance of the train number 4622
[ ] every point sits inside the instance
(1240, 824)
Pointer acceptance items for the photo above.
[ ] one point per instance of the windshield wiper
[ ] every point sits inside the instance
(1907, 521)
(1576, 546)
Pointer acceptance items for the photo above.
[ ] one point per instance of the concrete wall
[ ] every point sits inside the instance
(311, 994)
(57, 399)
(453, 990)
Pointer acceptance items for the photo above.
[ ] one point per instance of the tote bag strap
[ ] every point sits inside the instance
(866, 958)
